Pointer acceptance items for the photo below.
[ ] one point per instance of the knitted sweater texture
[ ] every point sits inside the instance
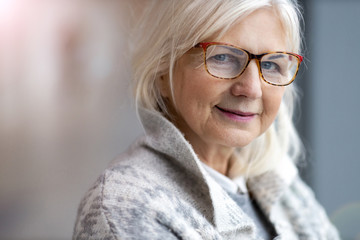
(158, 189)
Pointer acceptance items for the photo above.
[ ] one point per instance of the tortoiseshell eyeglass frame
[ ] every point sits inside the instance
(257, 57)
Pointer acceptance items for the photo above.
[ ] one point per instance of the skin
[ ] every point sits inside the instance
(213, 133)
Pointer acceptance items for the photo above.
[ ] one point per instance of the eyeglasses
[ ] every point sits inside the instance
(226, 61)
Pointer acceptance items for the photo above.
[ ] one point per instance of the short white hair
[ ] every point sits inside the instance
(169, 28)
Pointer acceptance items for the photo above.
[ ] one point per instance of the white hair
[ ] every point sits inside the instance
(169, 28)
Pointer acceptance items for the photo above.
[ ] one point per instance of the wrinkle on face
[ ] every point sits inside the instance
(197, 94)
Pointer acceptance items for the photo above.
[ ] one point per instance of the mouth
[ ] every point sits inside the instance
(237, 115)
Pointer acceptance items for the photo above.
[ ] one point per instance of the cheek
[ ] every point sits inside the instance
(194, 91)
(191, 93)
(271, 101)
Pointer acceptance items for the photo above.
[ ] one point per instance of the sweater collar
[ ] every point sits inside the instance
(164, 137)
(267, 188)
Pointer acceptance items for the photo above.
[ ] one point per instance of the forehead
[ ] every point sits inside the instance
(259, 32)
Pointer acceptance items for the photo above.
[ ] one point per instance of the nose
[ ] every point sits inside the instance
(248, 84)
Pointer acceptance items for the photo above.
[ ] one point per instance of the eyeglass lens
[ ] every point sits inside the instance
(228, 62)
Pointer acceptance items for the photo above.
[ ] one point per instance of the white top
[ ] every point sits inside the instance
(236, 185)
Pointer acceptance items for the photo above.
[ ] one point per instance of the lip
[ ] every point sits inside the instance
(236, 115)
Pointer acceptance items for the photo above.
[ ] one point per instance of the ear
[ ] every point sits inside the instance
(163, 84)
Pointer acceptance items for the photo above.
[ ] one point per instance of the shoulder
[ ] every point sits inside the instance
(306, 215)
(114, 209)
(119, 202)
(136, 198)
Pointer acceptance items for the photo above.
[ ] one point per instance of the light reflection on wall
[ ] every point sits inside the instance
(64, 109)
(347, 219)
(6, 6)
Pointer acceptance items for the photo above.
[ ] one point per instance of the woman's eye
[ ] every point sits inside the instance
(270, 66)
(221, 57)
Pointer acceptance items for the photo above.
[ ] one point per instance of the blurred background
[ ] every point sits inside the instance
(66, 108)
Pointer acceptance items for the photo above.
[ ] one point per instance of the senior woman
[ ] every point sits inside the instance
(212, 82)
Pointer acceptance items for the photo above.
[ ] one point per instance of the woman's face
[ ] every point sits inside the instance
(228, 113)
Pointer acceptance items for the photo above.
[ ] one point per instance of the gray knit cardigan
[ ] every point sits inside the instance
(158, 189)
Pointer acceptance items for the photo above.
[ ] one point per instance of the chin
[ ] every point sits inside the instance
(236, 141)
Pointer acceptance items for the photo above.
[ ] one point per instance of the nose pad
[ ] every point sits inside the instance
(259, 68)
(249, 83)
(253, 68)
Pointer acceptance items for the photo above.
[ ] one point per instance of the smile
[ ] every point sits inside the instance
(235, 115)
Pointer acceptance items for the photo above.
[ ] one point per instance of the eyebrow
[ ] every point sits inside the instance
(276, 56)
(234, 50)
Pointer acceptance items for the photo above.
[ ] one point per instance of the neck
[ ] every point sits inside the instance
(213, 154)
(218, 158)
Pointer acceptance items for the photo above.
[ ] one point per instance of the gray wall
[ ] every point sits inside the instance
(331, 112)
